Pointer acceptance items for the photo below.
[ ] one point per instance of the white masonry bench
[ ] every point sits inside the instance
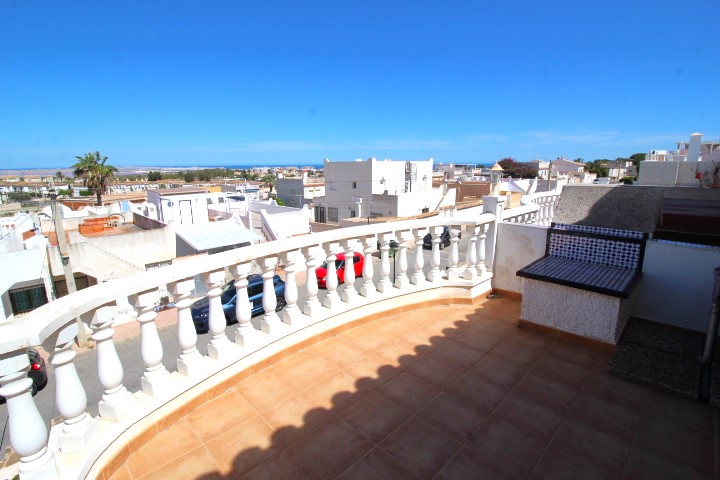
(584, 283)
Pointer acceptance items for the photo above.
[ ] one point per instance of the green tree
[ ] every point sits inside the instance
(636, 158)
(154, 176)
(59, 176)
(269, 179)
(96, 174)
(189, 177)
(598, 167)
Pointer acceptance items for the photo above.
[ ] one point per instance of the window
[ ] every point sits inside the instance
(354, 184)
(61, 285)
(320, 214)
(425, 210)
(352, 214)
(332, 214)
(28, 298)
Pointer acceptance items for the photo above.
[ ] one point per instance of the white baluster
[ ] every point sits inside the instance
(245, 334)
(332, 299)
(435, 275)
(454, 256)
(480, 264)
(155, 378)
(384, 285)
(220, 347)
(368, 287)
(190, 362)
(79, 430)
(312, 304)
(271, 321)
(116, 401)
(401, 264)
(27, 430)
(417, 277)
(349, 293)
(291, 314)
(471, 257)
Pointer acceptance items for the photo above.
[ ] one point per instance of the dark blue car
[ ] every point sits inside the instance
(199, 310)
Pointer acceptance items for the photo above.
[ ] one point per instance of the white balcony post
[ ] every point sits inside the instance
(116, 401)
(454, 256)
(471, 257)
(245, 334)
(27, 430)
(494, 205)
(435, 275)
(271, 321)
(291, 314)
(401, 263)
(155, 378)
(349, 293)
(220, 347)
(312, 304)
(79, 430)
(368, 287)
(480, 263)
(190, 362)
(332, 299)
(384, 285)
(417, 277)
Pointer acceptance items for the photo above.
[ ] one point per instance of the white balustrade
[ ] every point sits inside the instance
(190, 362)
(349, 294)
(270, 323)
(480, 265)
(384, 285)
(220, 347)
(155, 378)
(368, 287)
(435, 275)
(27, 430)
(417, 277)
(79, 430)
(453, 271)
(312, 304)
(116, 401)
(332, 298)
(291, 314)
(400, 260)
(471, 255)
(245, 334)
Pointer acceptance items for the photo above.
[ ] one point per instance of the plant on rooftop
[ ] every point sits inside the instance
(94, 172)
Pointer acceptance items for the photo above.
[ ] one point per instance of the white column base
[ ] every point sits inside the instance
(349, 294)
(40, 466)
(245, 338)
(332, 301)
(77, 437)
(270, 323)
(221, 349)
(402, 282)
(368, 290)
(191, 364)
(469, 274)
(434, 276)
(291, 315)
(115, 406)
(384, 286)
(312, 307)
(155, 383)
(417, 278)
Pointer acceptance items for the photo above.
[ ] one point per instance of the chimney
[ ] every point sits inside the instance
(693, 153)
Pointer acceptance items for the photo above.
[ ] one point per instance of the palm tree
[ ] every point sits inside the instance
(96, 175)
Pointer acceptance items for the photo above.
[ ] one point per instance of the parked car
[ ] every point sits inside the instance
(37, 372)
(444, 239)
(321, 271)
(200, 309)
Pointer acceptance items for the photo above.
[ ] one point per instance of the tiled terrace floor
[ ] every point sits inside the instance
(453, 391)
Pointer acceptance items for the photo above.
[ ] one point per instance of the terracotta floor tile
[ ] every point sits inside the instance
(547, 389)
(611, 418)
(376, 465)
(121, 473)
(167, 446)
(374, 416)
(679, 410)
(267, 390)
(291, 359)
(423, 341)
(295, 417)
(331, 448)
(397, 388)
(436, 371)
(243, 447)
(399, 354)
(571, 373)
(367, 338)
(195, 464)
(459, 353)
(526, 413)
(499, 370)
(453, 416)
(469, 466)
(614, 390)
(420, 448)
(479, 339)
(335, 392)
(308, 371)
(517, 352)
(338, 352)
(494, 327)
(371, 371)
(284, 465)
(646, 463)
(478, 391)
(508, 447)
(393, 327)
(574, 353)
(208, 424)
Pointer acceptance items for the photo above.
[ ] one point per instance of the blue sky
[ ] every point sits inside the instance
(223, 82)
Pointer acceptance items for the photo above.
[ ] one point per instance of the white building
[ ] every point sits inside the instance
(299, 191)
(691, 164)
(189, 205)
(376, 188)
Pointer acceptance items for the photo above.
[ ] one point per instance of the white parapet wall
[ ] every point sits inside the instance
(517, 246)
(677, 282)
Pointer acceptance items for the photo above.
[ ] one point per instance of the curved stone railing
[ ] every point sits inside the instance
(78, 447)
(546, 202)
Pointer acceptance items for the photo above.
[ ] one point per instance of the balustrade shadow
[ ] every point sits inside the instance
(345, 438)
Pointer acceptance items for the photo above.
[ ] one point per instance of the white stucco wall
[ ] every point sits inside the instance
(676, 287)
(517, 246)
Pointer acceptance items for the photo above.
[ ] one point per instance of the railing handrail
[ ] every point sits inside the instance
(33, 328)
